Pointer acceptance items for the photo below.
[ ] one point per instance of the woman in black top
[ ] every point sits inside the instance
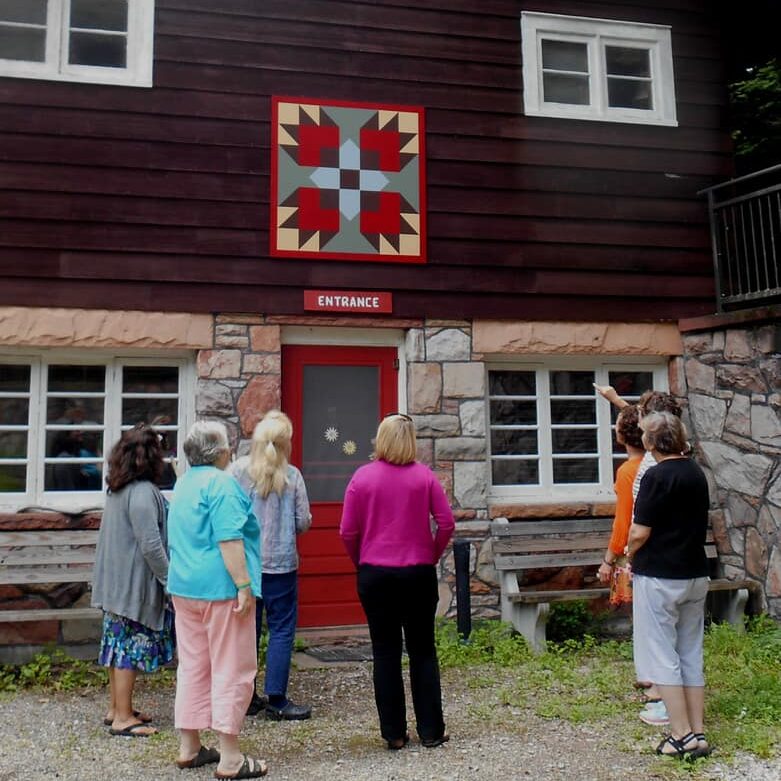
(670, 581)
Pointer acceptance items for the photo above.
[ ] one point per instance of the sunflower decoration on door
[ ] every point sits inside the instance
(348, 447)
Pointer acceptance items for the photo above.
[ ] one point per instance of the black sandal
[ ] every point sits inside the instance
(679, 747)
(703, 752)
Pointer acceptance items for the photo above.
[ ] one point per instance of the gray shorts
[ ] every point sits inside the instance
(669, 622)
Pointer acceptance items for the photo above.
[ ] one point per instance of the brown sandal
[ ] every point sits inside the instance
(250, 768)
(205, 756)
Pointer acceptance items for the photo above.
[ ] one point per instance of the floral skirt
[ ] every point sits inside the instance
(128, 645)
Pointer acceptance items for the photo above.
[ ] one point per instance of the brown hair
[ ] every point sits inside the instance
(396, 441)
(656, 401)
(665, 433)
(627, 430)
(137, 456)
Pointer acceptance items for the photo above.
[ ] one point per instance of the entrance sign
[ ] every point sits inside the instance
(347, 181)
(347, 301)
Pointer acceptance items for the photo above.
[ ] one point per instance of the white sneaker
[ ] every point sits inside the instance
(655, 714)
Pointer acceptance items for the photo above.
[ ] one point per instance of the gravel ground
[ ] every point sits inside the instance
(45, 736)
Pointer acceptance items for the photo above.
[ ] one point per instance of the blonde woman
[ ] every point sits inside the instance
(386, 528)
(279, 500)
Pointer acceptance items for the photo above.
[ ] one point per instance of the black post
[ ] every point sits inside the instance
(461, 550)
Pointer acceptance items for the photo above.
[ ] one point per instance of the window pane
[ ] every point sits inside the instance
(104, 51)
(155, 412)
(99, 14)
(514, 443)
(574, 440)
(569, 411)
(14, 412)
(14, 378)
(628, 93)
(90, 379)
(565, 56)
(13, 444)
(13, 478)
(563, 383)
(512, 384)
(26, 11)
(631, 384)
(74, 444)
(74, 411)
(627, 62)
(338, 426)
(508, 413)
(575, 470)
(22, 43)
(73, 477)
(566, 89)
(515, 472)
(150, 379)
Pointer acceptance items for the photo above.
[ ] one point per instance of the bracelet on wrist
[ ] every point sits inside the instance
(609, 563)
(242, 586)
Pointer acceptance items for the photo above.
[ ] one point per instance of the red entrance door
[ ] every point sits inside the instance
(335, 397)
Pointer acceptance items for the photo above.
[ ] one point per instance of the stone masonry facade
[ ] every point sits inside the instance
(732, 379)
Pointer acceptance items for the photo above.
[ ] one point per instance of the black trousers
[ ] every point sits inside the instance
(400, 600)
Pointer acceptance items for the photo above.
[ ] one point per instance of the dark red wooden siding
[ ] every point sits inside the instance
(158, 198)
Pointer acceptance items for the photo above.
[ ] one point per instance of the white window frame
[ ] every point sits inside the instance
(596, 34)
(76, 501)
(546, 490)
(140, 51)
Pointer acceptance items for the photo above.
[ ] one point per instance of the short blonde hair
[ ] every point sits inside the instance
(270, 453)
(396, 442)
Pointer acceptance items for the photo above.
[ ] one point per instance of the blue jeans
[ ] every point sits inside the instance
(280, 600)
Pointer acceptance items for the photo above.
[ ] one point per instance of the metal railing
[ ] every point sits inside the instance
(745, 221)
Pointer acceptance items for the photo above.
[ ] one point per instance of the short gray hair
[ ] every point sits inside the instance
(205, 441)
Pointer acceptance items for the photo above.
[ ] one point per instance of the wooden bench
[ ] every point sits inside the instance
(531, 545)
(43, 557)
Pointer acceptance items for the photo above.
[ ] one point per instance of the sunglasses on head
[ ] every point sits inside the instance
(399, 415)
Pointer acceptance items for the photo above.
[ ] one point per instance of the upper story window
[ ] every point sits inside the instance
(98, 41)
(582, 68)
(61, 415)
(551, 436)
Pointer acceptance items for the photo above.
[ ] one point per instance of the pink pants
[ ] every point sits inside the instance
(217, 665)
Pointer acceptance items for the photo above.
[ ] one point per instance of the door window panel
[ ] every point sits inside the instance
(338, 428)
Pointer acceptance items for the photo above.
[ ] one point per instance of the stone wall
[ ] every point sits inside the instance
(732, 378)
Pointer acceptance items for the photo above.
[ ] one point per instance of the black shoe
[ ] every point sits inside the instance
(434, 742)
(289, 712)
(256, 704)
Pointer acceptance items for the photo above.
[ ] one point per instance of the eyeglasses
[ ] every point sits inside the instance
(399, 415)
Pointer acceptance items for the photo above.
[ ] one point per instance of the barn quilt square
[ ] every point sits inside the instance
(347, 181)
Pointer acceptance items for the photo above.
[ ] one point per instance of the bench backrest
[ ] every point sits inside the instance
(571, 542)
(56, 556)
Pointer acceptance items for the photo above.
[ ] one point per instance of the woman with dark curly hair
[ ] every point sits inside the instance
(131, 569)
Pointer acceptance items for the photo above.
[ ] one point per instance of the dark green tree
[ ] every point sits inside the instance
(755, 103)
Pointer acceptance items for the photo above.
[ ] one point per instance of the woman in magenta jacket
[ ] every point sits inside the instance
(386, 528)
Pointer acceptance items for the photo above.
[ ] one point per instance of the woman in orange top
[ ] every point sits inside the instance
(629, 435)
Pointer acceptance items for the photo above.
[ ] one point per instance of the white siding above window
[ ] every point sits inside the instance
(580, 68)
(551, 435)
(96, 41)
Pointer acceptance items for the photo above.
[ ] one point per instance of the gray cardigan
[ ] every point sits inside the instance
(131, 560)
